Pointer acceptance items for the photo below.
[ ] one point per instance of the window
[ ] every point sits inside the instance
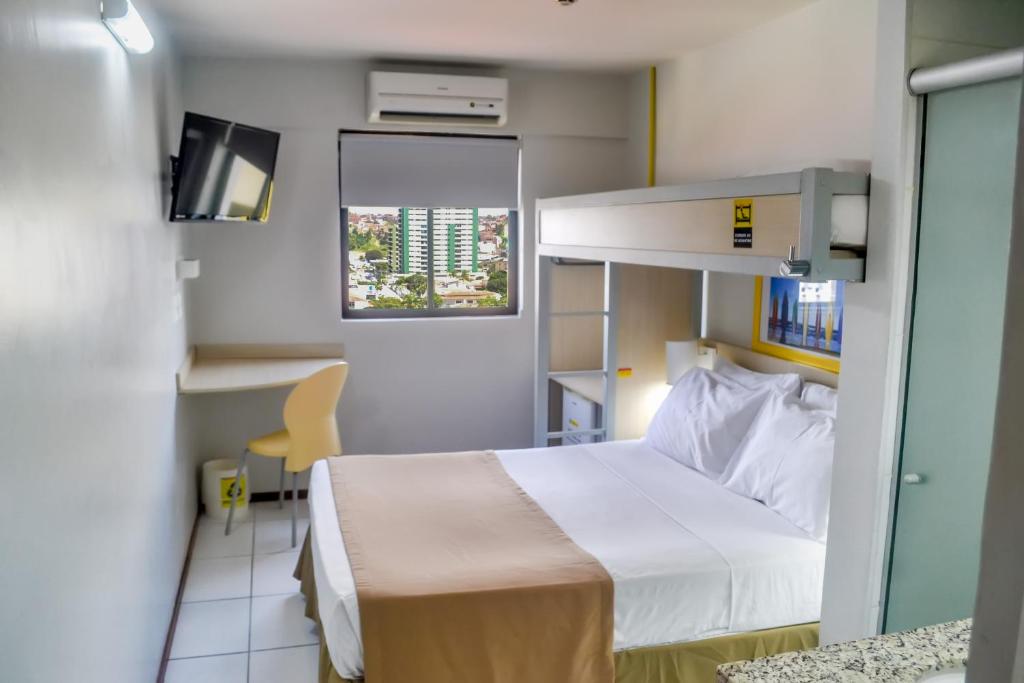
(429, 225)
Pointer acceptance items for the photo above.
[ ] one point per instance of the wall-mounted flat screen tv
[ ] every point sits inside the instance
(224, 171)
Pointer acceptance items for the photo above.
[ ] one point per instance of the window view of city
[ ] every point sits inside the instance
(392, 251)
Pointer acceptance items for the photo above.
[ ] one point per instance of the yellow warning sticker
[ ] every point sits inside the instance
(573, 423)
(625, 372)
(743, 223)
(226, 484)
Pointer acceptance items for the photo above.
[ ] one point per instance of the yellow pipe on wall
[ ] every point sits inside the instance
(652, 124)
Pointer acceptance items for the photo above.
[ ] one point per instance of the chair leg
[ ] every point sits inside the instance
(234, 491)
(280, 487)
(295, 504)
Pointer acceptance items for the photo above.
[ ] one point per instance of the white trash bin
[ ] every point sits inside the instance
(218, 476)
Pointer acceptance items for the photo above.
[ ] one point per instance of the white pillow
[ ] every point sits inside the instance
(786, 382)
(785, 461)
(703, 419)
(820, 397)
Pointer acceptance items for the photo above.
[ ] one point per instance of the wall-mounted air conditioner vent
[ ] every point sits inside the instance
(436, 99)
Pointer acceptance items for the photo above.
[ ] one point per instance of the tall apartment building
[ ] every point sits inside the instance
(455, 244)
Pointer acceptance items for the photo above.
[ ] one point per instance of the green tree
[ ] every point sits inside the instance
(406, 302)
(416, 283)
(386, 302)
(374, 255)
(380, 272)
(498, 282)
(357, 241)
(363, 241)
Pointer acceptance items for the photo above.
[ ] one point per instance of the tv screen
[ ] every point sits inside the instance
(224, 171)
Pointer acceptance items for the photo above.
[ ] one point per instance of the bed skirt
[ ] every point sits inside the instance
(691, 662)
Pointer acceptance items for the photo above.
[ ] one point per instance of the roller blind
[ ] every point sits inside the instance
(429, 171)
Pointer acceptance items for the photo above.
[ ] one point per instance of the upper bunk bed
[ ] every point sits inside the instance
(810, 224)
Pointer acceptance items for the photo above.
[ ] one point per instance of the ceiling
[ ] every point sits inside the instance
(592, 34)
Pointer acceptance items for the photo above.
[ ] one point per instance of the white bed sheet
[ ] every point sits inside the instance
(688, 558)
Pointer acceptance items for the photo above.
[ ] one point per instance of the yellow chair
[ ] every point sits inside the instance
(310, 433)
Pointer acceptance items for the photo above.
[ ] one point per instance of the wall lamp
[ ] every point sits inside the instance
(124, 21)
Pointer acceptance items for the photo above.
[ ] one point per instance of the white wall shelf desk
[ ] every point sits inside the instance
(217, 368)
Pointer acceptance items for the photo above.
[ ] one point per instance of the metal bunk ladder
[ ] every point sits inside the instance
(605, 432)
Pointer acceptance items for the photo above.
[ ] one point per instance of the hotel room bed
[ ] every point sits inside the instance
(691, 562)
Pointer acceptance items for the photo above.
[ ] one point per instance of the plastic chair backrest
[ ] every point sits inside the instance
(309, 417)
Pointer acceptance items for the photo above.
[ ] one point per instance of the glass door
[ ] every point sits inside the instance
(953, 363)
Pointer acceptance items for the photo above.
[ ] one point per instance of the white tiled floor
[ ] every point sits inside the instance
(242, 617)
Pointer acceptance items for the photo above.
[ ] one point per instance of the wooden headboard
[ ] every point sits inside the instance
(759, 362)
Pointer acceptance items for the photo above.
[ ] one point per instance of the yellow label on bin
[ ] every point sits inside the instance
(226, 484)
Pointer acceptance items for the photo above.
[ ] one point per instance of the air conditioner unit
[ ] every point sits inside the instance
(394, 97)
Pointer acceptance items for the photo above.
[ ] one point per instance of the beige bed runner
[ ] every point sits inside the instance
(461, 576)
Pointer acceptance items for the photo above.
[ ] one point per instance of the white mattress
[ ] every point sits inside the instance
(689, 559)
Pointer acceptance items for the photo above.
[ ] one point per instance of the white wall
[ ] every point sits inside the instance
(997, 641)
(792, 93)
(98, 496)
(797, 92)
(911, 33)
(944, 30)
(415, 385)
(872, 357)
(639, 128)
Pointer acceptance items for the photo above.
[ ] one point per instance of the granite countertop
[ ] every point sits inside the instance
(893, 658)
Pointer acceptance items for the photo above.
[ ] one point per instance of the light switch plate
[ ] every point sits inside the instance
(187, 269)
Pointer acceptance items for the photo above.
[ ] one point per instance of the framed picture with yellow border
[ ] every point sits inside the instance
(799, 321)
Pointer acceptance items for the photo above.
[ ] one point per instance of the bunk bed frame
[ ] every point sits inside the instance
(810, 224)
